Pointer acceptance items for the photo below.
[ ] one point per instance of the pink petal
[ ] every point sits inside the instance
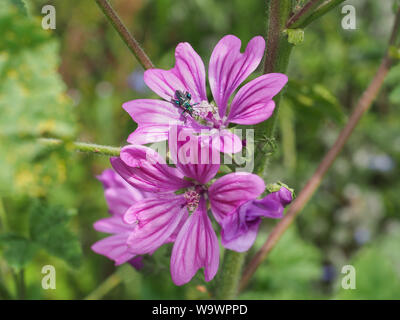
(114, 248)
(195, 247)
(193, 155)
(113, 225)
(232, 190)
(229, 142)
(239, 235)
(156, 219)
(146, 170)
(229, 68)
(149, 134)
(187, 75)
(152, 112)
(253, 103)
(118, 193)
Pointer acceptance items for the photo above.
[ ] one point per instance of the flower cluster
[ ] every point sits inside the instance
(153, 202)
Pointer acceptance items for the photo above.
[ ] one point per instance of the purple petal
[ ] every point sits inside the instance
(253, 103)
(239, 229)
(237, 234)
(187, 75)
(232, 190)
(229, 142)
(152, 112)
(229, 68)
(193, 155)
(195, 247)
(118, 193)
(156, 219)
(149, 134)
(113, 225)
(137, 262)
(146, 170)
(114, 248)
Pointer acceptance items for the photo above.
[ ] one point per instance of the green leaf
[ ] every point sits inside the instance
(48, 228)
(21, 5)
(19, 251)
(33, 104)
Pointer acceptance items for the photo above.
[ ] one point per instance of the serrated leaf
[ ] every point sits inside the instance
(49, 229)
(18, 252)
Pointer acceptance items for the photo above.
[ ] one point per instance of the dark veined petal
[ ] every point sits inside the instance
(187, 75)
(229, 68)
(253, 103)
(146, 170)
(195, 156)
(156, 220)
(195, 247)
(227, 193)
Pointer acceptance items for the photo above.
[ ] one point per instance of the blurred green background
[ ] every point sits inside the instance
(70, 83)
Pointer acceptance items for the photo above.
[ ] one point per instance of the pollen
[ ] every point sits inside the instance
(192, 199)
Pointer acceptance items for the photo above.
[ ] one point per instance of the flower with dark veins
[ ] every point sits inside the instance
(228, 68)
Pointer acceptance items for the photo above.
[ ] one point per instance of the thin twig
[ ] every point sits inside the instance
(320, 11)
(110, 283)
(313, 183)
(305, 11)
(126, 36)
(83, 147)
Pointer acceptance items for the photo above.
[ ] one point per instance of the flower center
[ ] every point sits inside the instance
(192, 198)
(207, 114)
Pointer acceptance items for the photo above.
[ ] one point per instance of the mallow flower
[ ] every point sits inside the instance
(178, 203)
(228, 68)
(119, 196)
(240, 228)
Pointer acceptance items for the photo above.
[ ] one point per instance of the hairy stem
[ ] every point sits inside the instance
(313, 183)
(276, 60)
(228, 280)
(83, 147)
(126, 36)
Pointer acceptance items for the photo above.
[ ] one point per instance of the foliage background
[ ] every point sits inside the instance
(71, 82)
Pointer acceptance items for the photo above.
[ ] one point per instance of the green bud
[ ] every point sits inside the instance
(275, 187)
(295, 36)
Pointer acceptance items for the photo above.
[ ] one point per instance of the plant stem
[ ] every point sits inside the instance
(3, 216)
(19, 279)
(83, 147)
(126, 36)
(227, 283)
(107, 285)
(313, 183)
(276, 60)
